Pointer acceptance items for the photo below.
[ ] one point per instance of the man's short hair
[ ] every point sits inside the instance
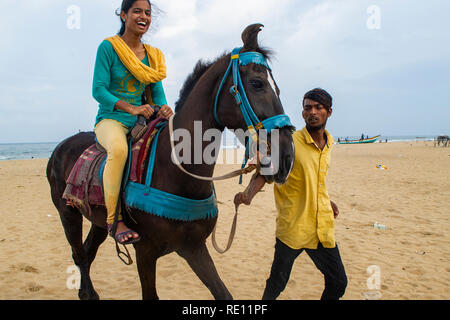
(319, 95)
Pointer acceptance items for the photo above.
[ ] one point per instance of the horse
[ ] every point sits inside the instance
(161, 236)
(442, 139)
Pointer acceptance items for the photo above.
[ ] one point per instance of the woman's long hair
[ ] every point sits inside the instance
(126, 5)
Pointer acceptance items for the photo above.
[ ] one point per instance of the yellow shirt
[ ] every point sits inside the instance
(305, 216)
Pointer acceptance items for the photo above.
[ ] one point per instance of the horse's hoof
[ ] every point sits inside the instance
(88, 296)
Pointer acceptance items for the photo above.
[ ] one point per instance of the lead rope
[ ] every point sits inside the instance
(236, 173)
(233, 226)
(230, 238)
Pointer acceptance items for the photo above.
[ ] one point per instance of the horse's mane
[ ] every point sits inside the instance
(200, 68)
(190, 82)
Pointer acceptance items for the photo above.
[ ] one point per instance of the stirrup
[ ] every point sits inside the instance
(124, 256)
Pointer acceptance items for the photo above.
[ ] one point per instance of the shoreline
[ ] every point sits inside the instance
(229, 148)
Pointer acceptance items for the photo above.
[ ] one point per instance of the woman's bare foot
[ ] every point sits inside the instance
(127, 233)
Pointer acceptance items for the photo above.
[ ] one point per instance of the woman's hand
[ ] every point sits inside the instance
(165, 112)
(144, 110)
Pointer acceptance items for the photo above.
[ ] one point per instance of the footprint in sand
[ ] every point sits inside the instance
(33, 287)
(24, 268)
(417, 271)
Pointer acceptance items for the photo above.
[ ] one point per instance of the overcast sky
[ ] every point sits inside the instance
(386, 63)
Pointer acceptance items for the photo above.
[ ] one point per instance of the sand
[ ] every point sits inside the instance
(411, 198)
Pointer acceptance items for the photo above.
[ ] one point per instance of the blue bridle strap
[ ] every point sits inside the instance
(238, 91)
(277, 121)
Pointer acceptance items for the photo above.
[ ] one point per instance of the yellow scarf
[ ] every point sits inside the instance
(139, 70)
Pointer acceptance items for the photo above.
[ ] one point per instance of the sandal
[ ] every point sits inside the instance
(118, 236)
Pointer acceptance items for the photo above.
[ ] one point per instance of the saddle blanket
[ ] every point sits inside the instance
(84, 186)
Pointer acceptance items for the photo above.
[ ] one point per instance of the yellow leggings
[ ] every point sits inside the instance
(112, 135)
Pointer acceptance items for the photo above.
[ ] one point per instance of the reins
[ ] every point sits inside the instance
(230, 175)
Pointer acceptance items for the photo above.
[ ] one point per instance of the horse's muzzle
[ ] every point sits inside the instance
(277, 166)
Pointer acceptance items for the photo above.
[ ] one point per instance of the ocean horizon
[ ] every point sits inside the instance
(43, 150)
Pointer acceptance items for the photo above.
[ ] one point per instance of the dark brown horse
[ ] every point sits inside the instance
(445, 140)
(162, 236)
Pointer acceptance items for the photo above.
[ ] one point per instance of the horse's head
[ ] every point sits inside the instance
(248, 101)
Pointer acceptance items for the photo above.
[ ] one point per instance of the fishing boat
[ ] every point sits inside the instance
(367, 140)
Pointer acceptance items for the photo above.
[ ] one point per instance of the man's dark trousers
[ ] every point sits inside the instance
(327, 260)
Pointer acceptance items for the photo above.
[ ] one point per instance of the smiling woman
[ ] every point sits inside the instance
(126, 70)
(137, 8)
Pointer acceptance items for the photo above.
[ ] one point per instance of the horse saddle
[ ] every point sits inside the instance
(84, 186)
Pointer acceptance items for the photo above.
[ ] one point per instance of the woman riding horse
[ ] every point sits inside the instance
(124, 67)
(209, 95)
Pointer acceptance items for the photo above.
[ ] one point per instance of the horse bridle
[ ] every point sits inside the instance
(238, 91)
(251, 119)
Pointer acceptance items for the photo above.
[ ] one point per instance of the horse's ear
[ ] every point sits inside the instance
(250, 37)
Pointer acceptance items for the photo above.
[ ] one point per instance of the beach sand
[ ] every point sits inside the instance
(411, 198)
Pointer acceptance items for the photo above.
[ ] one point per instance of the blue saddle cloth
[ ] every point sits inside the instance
(163, 204)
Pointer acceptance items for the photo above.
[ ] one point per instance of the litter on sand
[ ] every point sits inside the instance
(376, 225)
(381, 167)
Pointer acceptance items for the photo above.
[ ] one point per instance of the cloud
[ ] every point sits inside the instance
(47, 68)
(182, 20)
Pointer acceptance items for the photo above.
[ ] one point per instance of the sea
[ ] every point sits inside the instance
(43, 150)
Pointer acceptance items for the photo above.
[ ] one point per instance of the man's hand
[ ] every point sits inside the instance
(256, 184)
(241, 198)
(335, 209)
(165, 112)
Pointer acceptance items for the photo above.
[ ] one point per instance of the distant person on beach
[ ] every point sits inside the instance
(305, 220)
(122, 74)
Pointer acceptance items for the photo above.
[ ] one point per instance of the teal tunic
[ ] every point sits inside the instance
(113, 82)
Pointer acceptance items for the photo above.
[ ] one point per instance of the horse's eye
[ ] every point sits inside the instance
(257, 84)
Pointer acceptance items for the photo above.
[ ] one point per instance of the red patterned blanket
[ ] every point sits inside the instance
(84, 186)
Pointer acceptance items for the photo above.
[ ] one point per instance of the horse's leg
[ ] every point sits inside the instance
(202, 264)
(72, 221)
(146, 264)
(93, 241)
